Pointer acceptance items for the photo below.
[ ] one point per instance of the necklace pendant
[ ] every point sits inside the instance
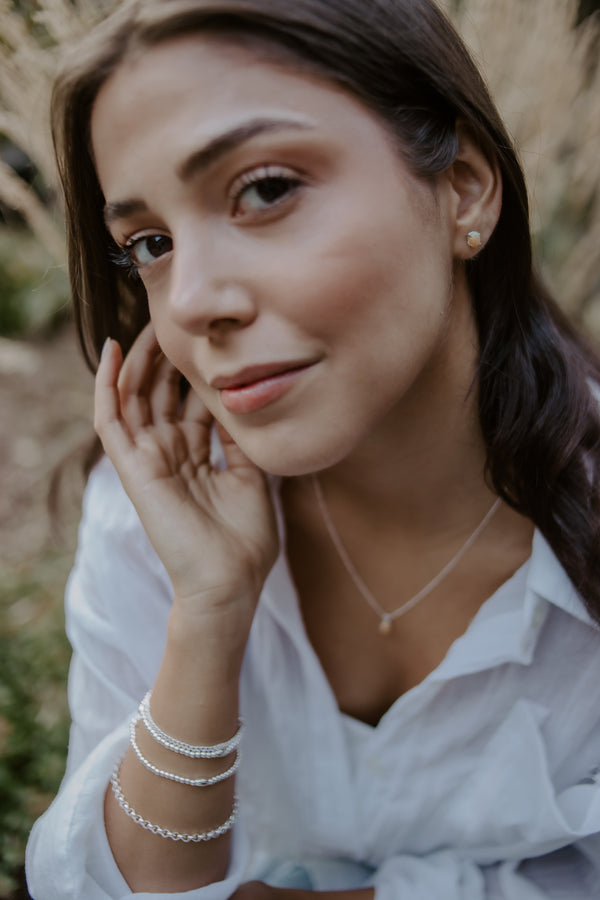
(385, 626)
(386, 619)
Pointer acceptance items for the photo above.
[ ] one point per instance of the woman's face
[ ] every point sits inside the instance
(297, 274)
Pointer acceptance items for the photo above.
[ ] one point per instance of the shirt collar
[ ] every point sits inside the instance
(505, 629)
(549, 581)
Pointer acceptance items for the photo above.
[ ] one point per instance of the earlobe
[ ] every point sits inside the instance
(476, 186)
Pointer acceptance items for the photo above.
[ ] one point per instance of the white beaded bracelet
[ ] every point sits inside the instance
(166, 832)
(194, 751)
(192, 782)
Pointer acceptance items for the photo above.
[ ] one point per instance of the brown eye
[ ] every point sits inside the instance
(264, 193)
(272, 189)
(145, 250)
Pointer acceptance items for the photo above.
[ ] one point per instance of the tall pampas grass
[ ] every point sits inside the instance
(544, 74)
(30, 46)
(543, 71)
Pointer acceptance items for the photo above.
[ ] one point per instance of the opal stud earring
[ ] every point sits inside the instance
(474, 240)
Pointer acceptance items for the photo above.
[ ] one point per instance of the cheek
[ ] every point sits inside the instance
(174, 343)
(365, 278)
(373, 243)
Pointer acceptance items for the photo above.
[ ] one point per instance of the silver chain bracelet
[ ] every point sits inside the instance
(193, 751)
(181, 779)
(186, 838)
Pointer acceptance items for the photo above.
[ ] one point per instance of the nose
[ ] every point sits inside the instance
(209, 294)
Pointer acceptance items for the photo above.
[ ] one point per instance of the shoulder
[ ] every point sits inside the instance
(115, 563)
(118, 595)
(110, 526)
(105, 503)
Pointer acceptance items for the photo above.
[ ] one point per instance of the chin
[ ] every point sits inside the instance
(292, 457)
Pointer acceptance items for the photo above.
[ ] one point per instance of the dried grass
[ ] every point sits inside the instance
(29, 51)
(543, 72)
(545, 77)
(17, 195)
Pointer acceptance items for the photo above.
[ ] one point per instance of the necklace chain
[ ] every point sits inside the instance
(386, 618)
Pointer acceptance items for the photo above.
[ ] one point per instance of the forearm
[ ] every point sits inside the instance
(195, 699)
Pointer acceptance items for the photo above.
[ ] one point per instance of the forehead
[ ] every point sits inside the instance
(193, 87)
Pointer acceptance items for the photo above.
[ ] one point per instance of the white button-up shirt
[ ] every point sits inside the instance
(481, 782)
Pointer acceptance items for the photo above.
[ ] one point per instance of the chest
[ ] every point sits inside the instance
(367, 670)
(343, 586)
(468, 763)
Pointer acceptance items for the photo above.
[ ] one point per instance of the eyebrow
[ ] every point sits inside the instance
(122, 209)
(201, 159)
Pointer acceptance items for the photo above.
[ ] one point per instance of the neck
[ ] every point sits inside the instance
(423, 467)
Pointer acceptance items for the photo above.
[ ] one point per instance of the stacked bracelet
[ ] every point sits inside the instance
(195, 837)
(213, 751)
(193, 751)
(192, 782)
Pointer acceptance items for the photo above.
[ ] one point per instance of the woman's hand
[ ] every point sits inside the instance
(214, 531)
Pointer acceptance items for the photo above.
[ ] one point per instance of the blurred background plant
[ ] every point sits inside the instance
(542, 61)
(33, 285)
(541, 58)
(33, 714)
(44, 414)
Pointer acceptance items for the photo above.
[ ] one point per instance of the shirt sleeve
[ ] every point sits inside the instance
(118, 600)
(566, 874)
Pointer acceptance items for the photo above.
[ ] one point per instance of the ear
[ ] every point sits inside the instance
(476, 190)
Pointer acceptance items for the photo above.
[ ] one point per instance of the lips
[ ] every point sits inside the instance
(252, 374)
(254, 387)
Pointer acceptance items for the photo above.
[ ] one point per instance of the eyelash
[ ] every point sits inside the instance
(263, 175)
(123, 256)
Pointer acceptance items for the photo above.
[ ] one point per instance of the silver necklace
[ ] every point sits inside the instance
(386, 618)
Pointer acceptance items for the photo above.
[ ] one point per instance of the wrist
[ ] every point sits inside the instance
(208, 654)
(195, 697)
(214, 620)
(224, 607)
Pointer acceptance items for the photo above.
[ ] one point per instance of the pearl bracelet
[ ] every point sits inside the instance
(194, 751)
(192, 782)
(195, 837)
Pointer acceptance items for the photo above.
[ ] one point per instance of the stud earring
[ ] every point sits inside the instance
(474, 240)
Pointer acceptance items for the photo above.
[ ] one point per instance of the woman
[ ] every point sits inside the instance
(371, 528)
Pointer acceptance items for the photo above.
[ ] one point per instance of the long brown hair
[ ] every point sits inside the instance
(404, 60)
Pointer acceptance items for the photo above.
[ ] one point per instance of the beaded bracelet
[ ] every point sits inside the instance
(195, 837)
(192, 782)
(194, 751)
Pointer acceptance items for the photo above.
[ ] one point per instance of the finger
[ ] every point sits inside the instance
(165, 397)
(197, 423)
(108, 420)
(195, 409)
(235, 458)
(136, 379)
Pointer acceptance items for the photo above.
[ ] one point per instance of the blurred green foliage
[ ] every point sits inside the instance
(34, 291)
(34, 656)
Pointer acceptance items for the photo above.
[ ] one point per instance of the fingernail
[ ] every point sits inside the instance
(105, 348)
